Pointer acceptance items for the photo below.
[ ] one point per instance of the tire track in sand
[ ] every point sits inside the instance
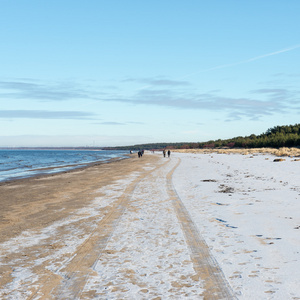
(207, 268)
(80, 267)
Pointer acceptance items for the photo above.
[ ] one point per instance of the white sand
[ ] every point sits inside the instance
(253, 231)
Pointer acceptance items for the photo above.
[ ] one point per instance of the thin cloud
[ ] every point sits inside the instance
(158, 82)
(244, 61)
(236, 108)
(110, 123)
(286, 95)
(289, 75)
(118, 123)
(282, 94)
(270, 91)
(44, 114)
(136, 123)
(40, 91)
(271, 54)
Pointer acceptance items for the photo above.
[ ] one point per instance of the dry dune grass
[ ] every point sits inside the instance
(294, 152)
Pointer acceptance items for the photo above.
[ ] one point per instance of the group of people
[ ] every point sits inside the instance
(166, 152)
(140, 153)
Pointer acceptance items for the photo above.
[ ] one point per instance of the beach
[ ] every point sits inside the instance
(192, 226)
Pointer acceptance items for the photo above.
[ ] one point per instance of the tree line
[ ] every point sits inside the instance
(275, 137)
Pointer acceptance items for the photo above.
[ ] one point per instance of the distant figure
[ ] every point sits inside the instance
(169, 153)
(139, 154)
(164, 153)
(130, 151)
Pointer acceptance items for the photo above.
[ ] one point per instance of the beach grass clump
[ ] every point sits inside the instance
(284, 151)
(288, 152)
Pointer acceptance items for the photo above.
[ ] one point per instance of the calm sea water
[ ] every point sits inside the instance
(16, 164)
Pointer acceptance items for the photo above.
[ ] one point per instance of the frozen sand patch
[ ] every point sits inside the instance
(54, 246)
(147, 256)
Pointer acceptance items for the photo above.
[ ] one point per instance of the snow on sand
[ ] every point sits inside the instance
(247, 209)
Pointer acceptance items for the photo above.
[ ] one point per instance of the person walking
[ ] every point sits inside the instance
(164, 153)
(169, 153)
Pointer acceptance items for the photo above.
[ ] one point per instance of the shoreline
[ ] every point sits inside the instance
(21, 200)
(63, 169)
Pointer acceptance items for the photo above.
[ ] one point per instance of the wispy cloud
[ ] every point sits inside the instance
(271, 91)
(289, 75)
(271, 54)
(45, 114)
(111, 123)
(136, 123)
(277, 101)
(242, 61)
(158, 81)
(41, 91)
(286, 95)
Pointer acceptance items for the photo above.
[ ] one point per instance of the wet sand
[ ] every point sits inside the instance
(34, 202)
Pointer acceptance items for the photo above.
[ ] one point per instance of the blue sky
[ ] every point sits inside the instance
(100, 73)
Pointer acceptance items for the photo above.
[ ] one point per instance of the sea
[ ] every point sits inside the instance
(16, 164)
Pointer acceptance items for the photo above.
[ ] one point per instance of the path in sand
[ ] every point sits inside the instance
(133, 239)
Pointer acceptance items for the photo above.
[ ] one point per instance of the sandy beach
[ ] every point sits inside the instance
(192, 226)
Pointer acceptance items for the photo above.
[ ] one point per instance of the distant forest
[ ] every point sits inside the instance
(276, 137)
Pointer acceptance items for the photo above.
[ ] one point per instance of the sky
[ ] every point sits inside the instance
(113, 73)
